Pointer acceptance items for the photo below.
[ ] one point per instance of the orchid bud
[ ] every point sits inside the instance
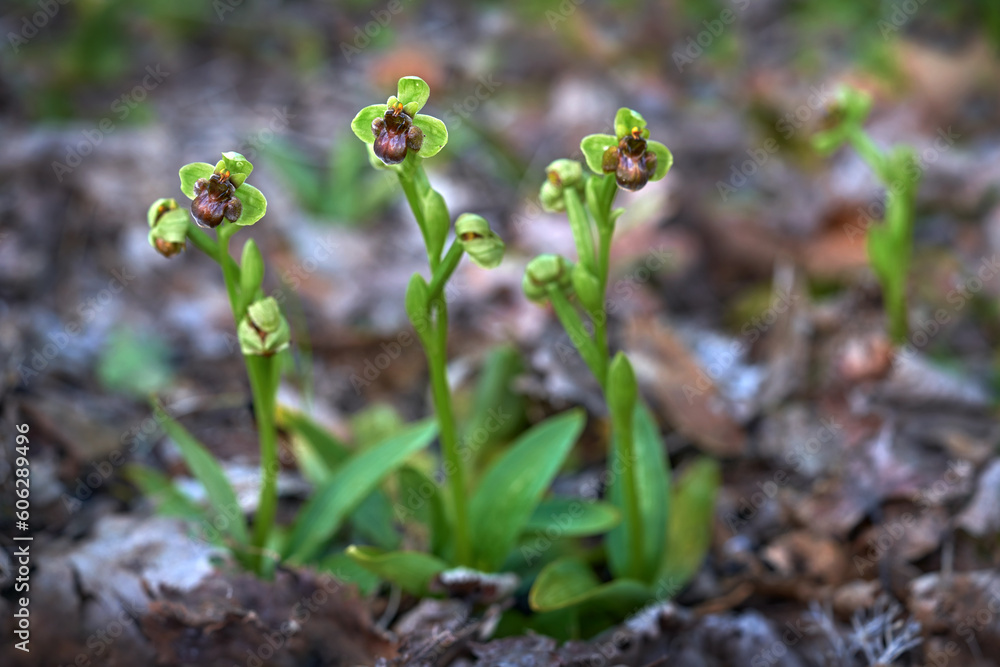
(564, 173)
(480, 242)
(543, 271)
(214, 201)
(551, 197)
(263, 330)
(168, 227)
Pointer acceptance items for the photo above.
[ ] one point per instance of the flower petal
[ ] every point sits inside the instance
(593, 147)
(413, 93)
(626, 119)
(254, 204)
(664, 159)
(362, 123)
(435, 134)
(239, 167)
(190, 173)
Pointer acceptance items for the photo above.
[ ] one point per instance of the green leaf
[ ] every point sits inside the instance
(626, 119)
(435, 134)
(410, 570)
(510, 489)
(373, 520)
(346, 569)
(420, 496)
(689, 533)
(362, 123)
(251, 272)
(326, 448)
(190, 173)
(417, 304)
(593, 147)
(413, 92)
(322, 515)
(170, 501)
(652, 487)
(437, 219)
(572, 517)
(254, 204)
(664, 159)
(622, 388)
(224, 505)
(569, 582)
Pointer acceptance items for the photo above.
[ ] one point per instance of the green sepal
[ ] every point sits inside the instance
(435, 134)
(254, 205)
(480, 243)
(593, 147)
(362, 123)
(544, 270)
(238, 167)
(564, 173)
(263, 331)
(664, 159)
(413, 92)
(190, 173)
(551, 197)
(154, 211)
(626, 119)
(172, 227)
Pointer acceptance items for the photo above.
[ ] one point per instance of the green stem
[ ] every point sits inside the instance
(416, 186)
(414, 181)
(869, 152)
(580, 225)
(444, 271)
(454, 470)
(230, 271)
(263, 374)
(584, 344)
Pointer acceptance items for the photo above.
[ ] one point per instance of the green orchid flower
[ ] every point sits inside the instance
(221, 192)
(394, 129)
(629, 155)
